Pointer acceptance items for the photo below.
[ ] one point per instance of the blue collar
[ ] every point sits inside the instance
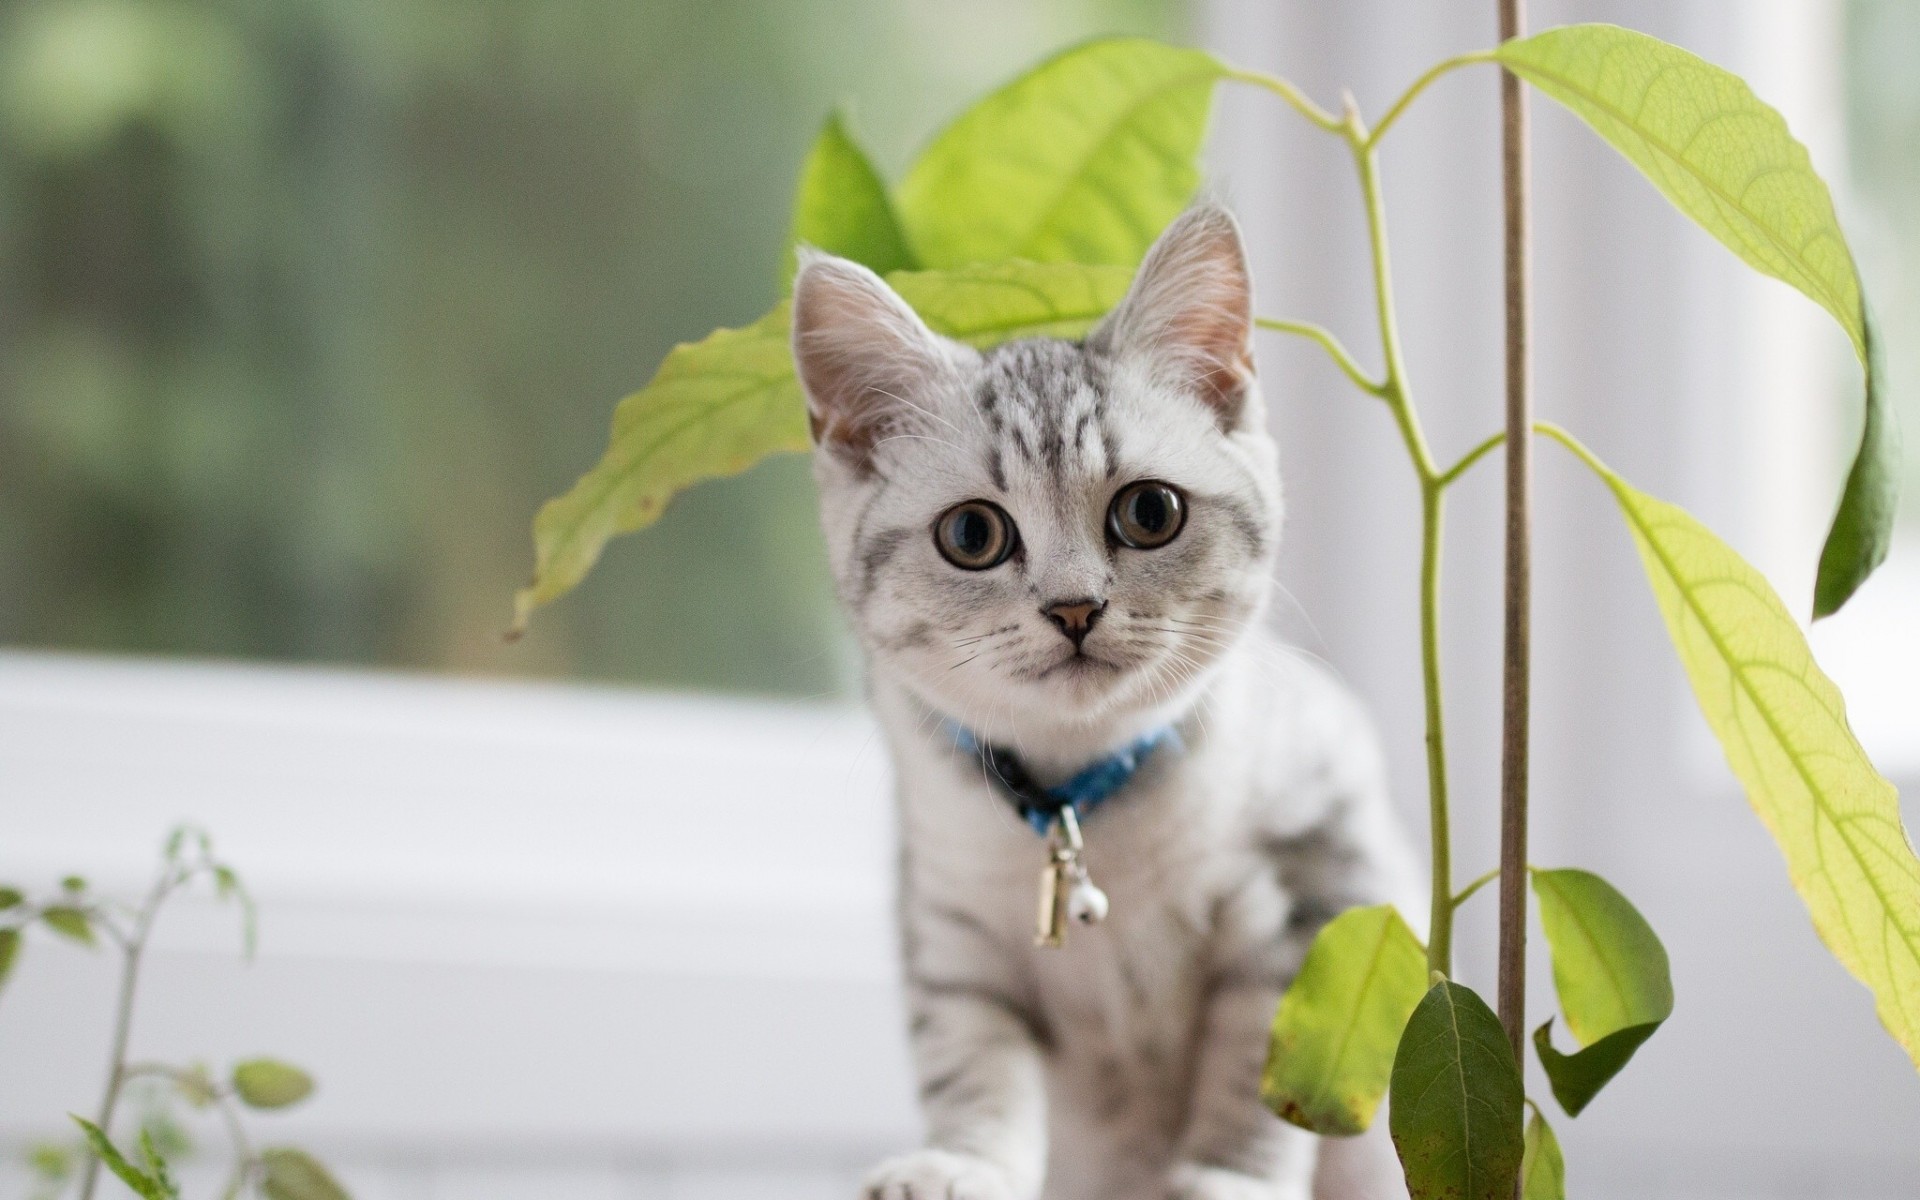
(1089, 787)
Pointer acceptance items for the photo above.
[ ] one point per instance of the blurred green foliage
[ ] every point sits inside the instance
(306, 304)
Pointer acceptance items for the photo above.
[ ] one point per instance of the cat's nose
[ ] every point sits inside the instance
(1075, 618)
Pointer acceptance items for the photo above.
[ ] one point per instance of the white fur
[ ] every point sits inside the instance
(1124, 1066)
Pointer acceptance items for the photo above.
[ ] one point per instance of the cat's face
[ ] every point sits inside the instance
(1050, 532)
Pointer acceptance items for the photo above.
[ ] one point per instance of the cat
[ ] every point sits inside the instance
(1059, 553)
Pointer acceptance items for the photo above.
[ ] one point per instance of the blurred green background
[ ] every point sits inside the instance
(306, 305)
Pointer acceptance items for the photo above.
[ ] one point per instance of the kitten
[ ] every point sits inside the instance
(1050, 551)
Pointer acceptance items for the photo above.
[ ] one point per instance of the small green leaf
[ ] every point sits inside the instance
(51, 1162)
(290, 1174)
(68, 922)
(73, 883)
(1611, 973)
(1339, 1023)
(1543, 1173)
(1577, 1078)
(720, 405)
(196, 1086)
(269, 1083)
(157, 1165)
(1727, 160)
(9, 950)
(1084, 158)
(227, 886)
(1783, 727)
(842, 206)
(11, 897)
(1608, 965)
(1456, 1107)
(142, 1183)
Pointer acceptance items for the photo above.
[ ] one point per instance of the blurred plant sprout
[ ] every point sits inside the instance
(1023, 217)
(76, 913)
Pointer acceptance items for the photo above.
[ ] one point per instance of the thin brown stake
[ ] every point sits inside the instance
(1519, 589)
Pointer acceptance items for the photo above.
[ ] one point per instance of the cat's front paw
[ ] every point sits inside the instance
(937, 1175)
(1192, 1181)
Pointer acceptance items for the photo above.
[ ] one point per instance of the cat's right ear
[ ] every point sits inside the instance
(867, 362)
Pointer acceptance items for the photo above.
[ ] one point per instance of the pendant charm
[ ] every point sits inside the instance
(1067, 892)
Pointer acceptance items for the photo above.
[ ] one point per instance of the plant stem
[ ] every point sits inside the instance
(1466, 893)
(1517, 650)
(1295, 98)
(1420, 85)
(117, 1073)
(1453, 473)
(1341, 358)
(1395, 392)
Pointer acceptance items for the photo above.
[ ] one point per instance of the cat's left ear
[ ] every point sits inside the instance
(1189, 312)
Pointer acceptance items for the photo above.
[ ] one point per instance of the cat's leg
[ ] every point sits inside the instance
(1234, 1148)
(977, 1053)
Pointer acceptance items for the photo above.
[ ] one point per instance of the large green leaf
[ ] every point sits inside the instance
(1457, 1102)
(1611, 973)
(1334, 1037)
(1726, 159)
(841, 205)
(1083, 159)
(720, 405)
(1543, 1172)
(1783, 727)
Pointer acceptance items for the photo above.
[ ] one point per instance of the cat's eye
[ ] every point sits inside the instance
(1146, 515)
(974, 536)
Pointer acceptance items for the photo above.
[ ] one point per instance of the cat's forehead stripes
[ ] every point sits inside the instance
(1046, 402)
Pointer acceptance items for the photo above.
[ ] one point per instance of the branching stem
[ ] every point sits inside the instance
(1331, 344)
(1420, 85)
(1295, 98)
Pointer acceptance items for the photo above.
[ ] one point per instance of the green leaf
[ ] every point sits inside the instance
(720, 405)
(157, 1165)
(11, 897)
(51, 1162)
(1611, 973)
(227, 886)
(1608, 965)
(143, 1184)
(1455, 1113)
(196, 1086)
(1726, 160)
(1339, 1023)
(9, 950)
(1783, 727)
(1085, 159)
(842, 206)
(290, 1174)
(269, 1083)
(69, 922)
(1543, 1173)
(73, 883)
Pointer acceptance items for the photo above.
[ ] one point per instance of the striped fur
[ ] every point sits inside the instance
(1126, 1065)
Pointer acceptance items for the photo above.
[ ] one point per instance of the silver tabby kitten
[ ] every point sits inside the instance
(1060, 546)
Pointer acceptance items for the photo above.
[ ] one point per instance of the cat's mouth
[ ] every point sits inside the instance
(1077, 664)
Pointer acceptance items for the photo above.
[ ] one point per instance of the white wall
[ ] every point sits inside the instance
(512, 929)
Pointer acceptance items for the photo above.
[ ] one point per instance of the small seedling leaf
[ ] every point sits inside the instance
(69, 922)
(143, 1184)
(290, 1174)
(270, 1083)
(11, 897)
(1339, 1024)
(1457, 1100)
(9, 950)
